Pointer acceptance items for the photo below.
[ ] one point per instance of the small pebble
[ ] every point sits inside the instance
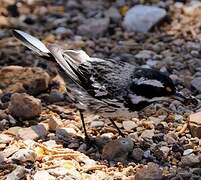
(117, 150)
(97, 124)
(187, 152)
(137, 154)
(147, 134)
(129, 125)
(24, 106)
(24, 155)
(190, 160)
(65, 133)
(151, 171)
(43, 175)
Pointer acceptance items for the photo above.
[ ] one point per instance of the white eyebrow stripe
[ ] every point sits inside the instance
(151, 82)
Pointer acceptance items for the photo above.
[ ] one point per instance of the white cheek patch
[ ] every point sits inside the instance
(136, 99)
(151, 82)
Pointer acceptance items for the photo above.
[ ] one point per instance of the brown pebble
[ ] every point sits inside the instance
(150, 172)
(195, 124)
(33, 132)
(24, 106)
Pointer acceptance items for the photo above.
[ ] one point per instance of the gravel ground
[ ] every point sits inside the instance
(41, 136)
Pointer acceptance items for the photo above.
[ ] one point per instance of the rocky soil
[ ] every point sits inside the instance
(41, 135)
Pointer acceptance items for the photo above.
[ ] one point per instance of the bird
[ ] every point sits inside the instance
(108, 87)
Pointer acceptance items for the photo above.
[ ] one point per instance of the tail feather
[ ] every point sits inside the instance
(69, 60)
(32, 43)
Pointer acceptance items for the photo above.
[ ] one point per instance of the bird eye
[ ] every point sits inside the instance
(168, 89)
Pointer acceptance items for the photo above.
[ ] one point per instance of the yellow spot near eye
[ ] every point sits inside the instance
(123, 10)
(168, 89)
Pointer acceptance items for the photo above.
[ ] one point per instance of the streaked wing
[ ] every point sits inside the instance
(109, 78)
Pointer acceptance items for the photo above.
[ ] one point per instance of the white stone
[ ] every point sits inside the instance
(187, 152)
(43, 175)
(142, 18)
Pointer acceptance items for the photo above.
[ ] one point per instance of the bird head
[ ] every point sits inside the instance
(151, 83)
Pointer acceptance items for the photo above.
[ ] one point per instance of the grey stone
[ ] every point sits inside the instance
(137, 154)
(117, 150)
(94, 27)
(74, 145)
(65, 133)
(171, 138)
(113, 14)
(147, 154)
(55, 96)
(190, 160)
(82, 148)
(72, 4)
(193, 45)
(196, 83)
(142, 18)
(144, 54)
(185, 174)
(60, 30)
(120, 3)
(91, 6)
(12, 120)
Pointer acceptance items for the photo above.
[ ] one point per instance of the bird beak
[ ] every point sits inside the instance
(178, 96)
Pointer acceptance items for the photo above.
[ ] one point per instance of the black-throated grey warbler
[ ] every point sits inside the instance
(108, 87)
